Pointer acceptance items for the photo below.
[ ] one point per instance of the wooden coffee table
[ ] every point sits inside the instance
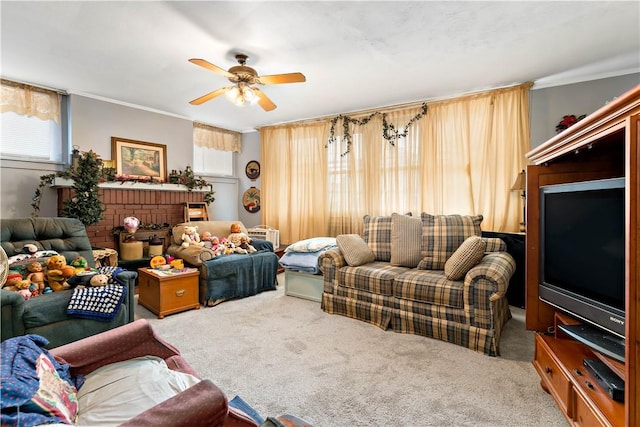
(168, 293)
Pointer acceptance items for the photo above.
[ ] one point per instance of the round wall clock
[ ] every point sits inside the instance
(251, 200)
(252, 170)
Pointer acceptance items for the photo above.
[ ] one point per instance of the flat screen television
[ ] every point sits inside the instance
(582, 258)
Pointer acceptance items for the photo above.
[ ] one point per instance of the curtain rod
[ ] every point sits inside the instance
(21, 83)
(397, 107)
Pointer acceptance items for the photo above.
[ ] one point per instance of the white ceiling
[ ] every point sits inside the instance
(355, 55)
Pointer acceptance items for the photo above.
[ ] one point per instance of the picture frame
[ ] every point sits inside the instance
(252, 170)
(139, 159)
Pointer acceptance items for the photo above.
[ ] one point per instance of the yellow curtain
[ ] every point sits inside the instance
(30, 101)
(294, 187)
(213, 137)
(461, 157)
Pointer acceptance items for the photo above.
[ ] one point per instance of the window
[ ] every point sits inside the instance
(209, 161)
(31, 123)
(213, 150)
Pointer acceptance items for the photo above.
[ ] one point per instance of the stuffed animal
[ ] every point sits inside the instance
(216, 247)
(55, 276)
(88, 278)
(99, 280)
(11, 283)
(191, 236)
(23, 289)
(206, 239)
(244, 244)
(229, 247)
(80, 264)
(236, 235)
(30, 249)
(36, 276)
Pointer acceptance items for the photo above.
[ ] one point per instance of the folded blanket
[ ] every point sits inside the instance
(99, 303)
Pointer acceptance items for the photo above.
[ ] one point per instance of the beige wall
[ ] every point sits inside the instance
(94, 122)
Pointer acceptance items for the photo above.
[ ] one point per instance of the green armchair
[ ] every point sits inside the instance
(46, 314)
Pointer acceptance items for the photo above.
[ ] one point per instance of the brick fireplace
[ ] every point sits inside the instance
(164, 204)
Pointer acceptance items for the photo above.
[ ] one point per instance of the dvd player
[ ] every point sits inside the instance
(603, 342)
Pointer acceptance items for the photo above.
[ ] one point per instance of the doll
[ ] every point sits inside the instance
(36, 276)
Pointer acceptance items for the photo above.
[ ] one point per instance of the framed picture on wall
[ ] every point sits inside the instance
(139, 160)
(252, 170)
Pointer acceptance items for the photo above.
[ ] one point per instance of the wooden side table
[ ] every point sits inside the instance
(168, 293)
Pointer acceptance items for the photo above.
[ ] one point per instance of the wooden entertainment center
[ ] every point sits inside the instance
(606, 144)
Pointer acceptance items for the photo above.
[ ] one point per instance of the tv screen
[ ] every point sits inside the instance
(582, 245)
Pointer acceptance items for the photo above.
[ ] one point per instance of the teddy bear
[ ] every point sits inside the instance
(191, 236)
(88, 278)
(36, 276)
(99, 280)
(56, 279)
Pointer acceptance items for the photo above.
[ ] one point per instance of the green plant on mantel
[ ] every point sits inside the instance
(189, 180)
(88, 173)
(85, 204)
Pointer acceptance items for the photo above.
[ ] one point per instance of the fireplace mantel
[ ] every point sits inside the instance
(130, 185)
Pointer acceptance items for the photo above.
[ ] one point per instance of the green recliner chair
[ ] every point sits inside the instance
(46, 314)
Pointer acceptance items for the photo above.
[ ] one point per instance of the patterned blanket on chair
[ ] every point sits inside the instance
(100, 303)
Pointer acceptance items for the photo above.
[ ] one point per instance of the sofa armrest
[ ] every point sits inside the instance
(125, 342)
(330, 263)
(12, 314)
(486, 283)
(201, 404)
(263, 245)
(129, 278)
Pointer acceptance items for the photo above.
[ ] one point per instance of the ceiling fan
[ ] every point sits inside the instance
(245, 78)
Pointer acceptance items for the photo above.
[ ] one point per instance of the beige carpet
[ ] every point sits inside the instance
(285, 355)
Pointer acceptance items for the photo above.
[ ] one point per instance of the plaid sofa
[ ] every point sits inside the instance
(421, 299)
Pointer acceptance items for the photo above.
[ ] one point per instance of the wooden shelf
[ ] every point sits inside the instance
(606, 144)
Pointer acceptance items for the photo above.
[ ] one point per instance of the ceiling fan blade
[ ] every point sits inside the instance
(263, 100)
(209, 66)
(209, 96)
(277, 79)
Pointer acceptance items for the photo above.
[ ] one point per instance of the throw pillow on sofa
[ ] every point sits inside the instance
(406, 239)
(355, 250)
(442, 235)
(377, 234)
(464, 258)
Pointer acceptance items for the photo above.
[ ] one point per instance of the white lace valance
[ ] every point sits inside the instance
(220, 139)
(30, 101)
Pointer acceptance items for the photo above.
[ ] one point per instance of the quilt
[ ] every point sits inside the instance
(98, 303)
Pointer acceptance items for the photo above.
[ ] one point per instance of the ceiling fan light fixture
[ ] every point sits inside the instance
(242, 95)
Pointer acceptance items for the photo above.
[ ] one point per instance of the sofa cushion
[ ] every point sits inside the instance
(431, 287)
(464, 258)
(376, 277)
(115, 393)
(355, 250)
(377, 234)
(442, 235)
(406, 238)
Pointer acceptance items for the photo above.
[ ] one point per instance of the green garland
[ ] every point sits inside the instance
(389, 131)
(86, 205)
